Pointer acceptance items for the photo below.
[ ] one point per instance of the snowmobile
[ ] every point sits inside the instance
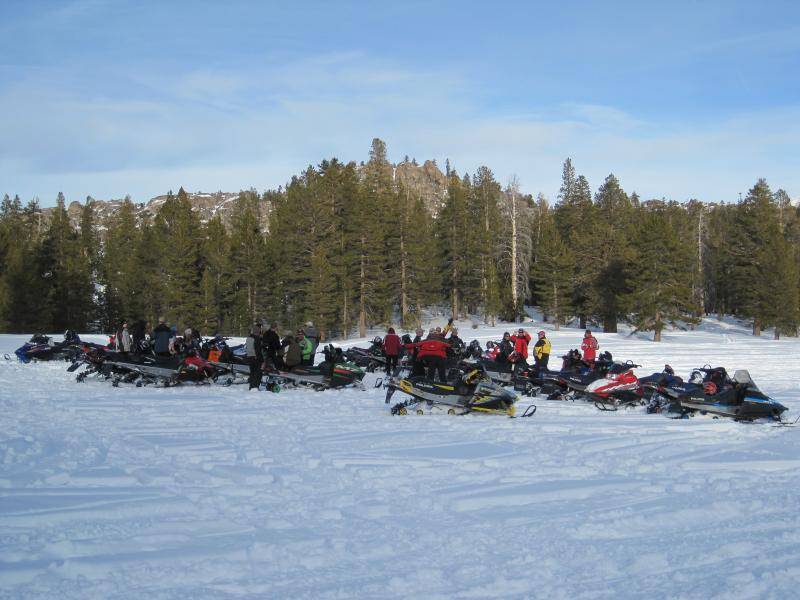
(531, 381)
(148, 369)
(42, 347)
(371, 358)
(474, 392)
(618, 387)
(232, 360)
(711, 391)
(333, 372)
(660, 391)
(607, 383)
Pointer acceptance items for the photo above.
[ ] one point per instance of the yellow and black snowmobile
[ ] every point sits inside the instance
(473, 392)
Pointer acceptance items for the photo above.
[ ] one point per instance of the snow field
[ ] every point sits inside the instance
(213, 492)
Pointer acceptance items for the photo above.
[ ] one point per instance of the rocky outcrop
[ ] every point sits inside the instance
(207, 205)
(425, 181)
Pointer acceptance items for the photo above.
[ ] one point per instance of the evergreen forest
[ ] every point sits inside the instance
(347, 247)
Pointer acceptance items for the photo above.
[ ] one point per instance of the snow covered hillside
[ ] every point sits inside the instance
(212, 492)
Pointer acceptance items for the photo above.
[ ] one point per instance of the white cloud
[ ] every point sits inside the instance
(209, 129)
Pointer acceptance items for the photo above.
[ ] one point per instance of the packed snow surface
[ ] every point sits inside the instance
(213, 492)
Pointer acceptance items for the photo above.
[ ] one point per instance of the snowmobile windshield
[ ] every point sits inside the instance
(618, 368)
(743, 377)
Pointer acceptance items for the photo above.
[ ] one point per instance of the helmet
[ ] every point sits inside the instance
(709, 388)
(377, 340)
(541, 334)
(489, 345)
(669, 370)
(696, 377)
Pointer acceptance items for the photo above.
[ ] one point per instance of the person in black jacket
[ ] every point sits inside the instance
(455, 342)
(161, 336)
(255, 355)
(506, 348)
(271, 342)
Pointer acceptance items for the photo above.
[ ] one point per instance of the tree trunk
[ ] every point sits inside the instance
(344, 315)
(514, 300)
(403, 282)
(556, 315)
(362, 309)
(777, 333)
(757, 327)
(610, 324)
(582, 321)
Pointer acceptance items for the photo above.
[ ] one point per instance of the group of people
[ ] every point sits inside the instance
(164, 338)
(429, 354)
(266, 350)
(514, 349)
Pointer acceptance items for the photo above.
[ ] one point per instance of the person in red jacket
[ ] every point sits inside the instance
(521, 341)
(433, 354)
(391, 348)
(589, 347)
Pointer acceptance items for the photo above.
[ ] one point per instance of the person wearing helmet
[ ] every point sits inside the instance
(541, 352)
(589, 347)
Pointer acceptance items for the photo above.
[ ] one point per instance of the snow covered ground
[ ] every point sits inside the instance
(211, 492)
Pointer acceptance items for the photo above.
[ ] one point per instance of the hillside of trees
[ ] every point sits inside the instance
(348, 247)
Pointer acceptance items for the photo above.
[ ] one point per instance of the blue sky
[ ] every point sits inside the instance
(677, 99)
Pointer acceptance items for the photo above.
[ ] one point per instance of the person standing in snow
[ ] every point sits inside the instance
(520, 341)
(589, 347)
(254, 355)
(123, 340)
(504, 348)
(391, 349)
(293, 353)
(456, 343)
(312, 335)
(272, 345)
(161, 337)
(306, 348)
(416, 365)
(541, 352)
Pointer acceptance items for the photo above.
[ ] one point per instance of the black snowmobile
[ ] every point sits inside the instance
(532, 381)
(42, 347)
(371, 359)
(474, 392)
(333, 372)
(148, 369)
(231, 360)
(711, 391)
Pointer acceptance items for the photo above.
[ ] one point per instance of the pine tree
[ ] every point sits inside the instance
(67, 273)
(178, 231)
(451, 227)
(753, 277)
(516, 248)
(552, 268)
(216, 267)
(608, 236)
(484, 215)
(247, 261)
(661, 273)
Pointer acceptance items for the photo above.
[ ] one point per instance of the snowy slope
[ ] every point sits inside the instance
(216, 492)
